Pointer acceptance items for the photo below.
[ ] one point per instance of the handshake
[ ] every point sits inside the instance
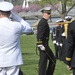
(41, 47)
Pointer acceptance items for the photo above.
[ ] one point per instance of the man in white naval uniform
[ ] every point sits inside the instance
(10, 54)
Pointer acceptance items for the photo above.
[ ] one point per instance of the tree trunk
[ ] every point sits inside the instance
(63, 2)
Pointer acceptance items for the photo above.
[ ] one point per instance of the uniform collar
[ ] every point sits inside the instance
(4, 18)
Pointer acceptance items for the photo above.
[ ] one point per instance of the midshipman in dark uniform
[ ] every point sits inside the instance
(59, 42)
(43, 31)
(67, 21)
(70, 56)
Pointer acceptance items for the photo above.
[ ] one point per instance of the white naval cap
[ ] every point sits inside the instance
(60, 20)
(68, 17)
(6, 6)
(46, 9)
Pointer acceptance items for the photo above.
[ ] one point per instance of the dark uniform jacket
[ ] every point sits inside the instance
(70, 57)
(42, 31)
(60, 40)
(59, 32)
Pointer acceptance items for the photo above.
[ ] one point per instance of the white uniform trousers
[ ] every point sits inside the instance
(13, 70)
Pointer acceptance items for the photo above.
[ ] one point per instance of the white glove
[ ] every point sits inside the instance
(54, 34)
(57, 44)
(41, 47)
(54, 41)
(63, 34)
(61, 44)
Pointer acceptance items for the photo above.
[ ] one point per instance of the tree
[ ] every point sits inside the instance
(64, 4)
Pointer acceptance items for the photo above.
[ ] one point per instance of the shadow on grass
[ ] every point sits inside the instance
(30, 58)
(27, 53)
(31, 62)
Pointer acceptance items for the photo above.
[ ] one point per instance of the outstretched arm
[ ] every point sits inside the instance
(28, 28)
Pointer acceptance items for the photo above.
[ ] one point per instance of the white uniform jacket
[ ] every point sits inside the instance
(10, 54)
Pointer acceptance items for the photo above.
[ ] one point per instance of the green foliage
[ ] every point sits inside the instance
(70, 3)
(31, 60)
(44, 2)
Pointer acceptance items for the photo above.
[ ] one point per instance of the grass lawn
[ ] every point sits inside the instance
(30, 66)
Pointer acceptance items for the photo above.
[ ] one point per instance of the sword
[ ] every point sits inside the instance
(50, 57)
